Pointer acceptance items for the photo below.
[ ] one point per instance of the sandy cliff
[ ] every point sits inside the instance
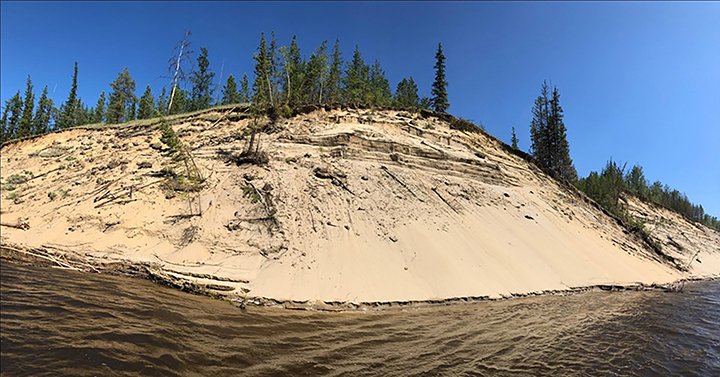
(353, 206)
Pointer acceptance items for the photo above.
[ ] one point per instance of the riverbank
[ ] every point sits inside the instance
(48, 258)
(340, 206)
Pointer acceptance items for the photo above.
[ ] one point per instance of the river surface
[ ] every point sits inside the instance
(59, 322)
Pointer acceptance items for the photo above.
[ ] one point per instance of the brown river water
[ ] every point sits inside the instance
(58, 322)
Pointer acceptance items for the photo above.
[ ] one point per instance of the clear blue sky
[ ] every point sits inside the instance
(639, 82)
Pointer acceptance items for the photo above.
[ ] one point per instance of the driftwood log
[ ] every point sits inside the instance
(19, 225)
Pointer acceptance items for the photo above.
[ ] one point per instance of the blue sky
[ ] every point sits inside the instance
(639, 82)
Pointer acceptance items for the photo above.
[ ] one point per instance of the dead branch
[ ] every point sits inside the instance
(338, 178)
(222, 117)
(393, 176)
(269, 210)
(44, 174)
(45, 256)
(434, 189)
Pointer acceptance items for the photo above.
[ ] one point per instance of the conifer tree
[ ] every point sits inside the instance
(230, 92)
(514, 139)
(406, 94)
(3, 124)
(262, 86)
(244, 94)
(636, 183)
(439, 87)
(12, 115)
(275, 72)
(425, 103)
(356, 80)
(561, 162)
(25, 126)
(146, 108)
(539, 126)
(41, 121)
(316, 72)
(379, 92)
(201, 80)
(131, 110)
(84, 113)
(162, 102)
(333, 86)
(181, 103)
(69, 111)
(122, 98)
(99, 115)
(549, 136)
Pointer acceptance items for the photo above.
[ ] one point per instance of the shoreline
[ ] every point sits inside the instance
(43, 257)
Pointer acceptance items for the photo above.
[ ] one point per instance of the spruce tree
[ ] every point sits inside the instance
(121, 99)
(549, 136)
(25, 126)
(99, 116)
(201, 80)
(425, 103)
(539, 126)
(439, 87)
(514, 139)
(561, 162)
(84, 114)
(244, 94)
(262, 93)
(379, 92)
(333, 86)
(356, 80)
(69, 111)
(3, 124)
(146, 108)
(131, 111)
(636, 183)
(181, 102)
(41, 121)
(230, 92)
(406, 94)
(162, 103)
(12, 116)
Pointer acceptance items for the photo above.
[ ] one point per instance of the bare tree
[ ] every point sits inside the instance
(181, 57)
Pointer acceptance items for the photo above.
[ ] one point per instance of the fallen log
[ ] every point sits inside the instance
(23, 225)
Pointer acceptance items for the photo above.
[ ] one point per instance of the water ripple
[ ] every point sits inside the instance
(61, 322)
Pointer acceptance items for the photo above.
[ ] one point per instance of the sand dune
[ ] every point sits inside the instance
(356, 206)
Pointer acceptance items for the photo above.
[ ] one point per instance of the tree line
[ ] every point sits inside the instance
(283, 78)
(606, 187)
(551, 152)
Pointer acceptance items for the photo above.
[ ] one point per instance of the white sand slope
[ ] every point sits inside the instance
(371, 206)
